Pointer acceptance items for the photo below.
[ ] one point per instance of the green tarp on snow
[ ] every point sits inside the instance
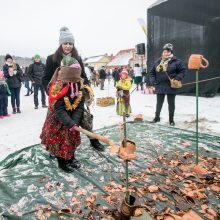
(31, 182)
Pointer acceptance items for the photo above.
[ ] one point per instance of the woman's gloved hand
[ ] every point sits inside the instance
(73, 128)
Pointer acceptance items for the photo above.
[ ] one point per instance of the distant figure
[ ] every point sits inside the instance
(123, 95)
(35, 72)
(115, 76)
(26, 80)
(137, 75)
(13, 75)
(176, 70)
(131, 74)
(102, 77)
(95, 78)
(109, 75)
(88, 72)
(4, 93)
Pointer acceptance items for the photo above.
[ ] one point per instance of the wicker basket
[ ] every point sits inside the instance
(105, 101)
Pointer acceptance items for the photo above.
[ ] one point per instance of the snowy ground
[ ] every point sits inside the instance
(22, 130)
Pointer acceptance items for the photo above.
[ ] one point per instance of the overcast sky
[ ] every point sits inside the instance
(98, 26)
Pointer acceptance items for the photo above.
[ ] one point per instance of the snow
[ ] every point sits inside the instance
(22, 130)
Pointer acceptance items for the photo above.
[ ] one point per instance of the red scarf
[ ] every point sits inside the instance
(60, 94)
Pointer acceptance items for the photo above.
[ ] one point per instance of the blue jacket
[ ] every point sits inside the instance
(176, 70)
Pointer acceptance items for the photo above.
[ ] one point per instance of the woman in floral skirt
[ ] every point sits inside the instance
(65, 112)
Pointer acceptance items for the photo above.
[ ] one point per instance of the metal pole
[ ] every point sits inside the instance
(197, 118)
(142, 68)
(126, 162)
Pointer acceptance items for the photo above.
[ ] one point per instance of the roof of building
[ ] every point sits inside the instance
(121, 58)
(94, 59)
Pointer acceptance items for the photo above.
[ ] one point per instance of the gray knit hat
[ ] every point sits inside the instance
(65, 36)
(169, 47)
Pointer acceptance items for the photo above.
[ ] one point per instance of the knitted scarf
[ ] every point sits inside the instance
(162, 67)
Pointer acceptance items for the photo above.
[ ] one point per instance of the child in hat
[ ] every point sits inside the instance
(123, 94)
(65, 112)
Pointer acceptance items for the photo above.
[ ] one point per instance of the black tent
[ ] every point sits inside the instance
(193, 27)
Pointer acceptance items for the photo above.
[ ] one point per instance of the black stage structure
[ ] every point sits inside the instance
(193, 27)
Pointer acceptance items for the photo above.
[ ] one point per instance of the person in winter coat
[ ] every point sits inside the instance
(115, 76)
(66, 48)
(66, 106)
(4, 92)
(102, 77)
(26, 80)
(35, 73)
(174, 67)
(88, 72)
(123, 95)
(13, 75)
(137, 75)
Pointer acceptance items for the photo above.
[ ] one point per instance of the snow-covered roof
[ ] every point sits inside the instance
(94, 59)
(120, 60)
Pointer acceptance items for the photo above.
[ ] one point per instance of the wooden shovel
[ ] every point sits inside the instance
(96, 136)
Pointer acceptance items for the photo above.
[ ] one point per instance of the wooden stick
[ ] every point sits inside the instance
(95, 136)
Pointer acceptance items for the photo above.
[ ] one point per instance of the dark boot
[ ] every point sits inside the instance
(14, 111)
(74, 163)
(171, 120)
(155, 120)
(97, 145)
(18, 110)
(172, 123)
(64, 165)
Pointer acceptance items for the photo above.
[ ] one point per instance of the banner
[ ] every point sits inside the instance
(143, 25)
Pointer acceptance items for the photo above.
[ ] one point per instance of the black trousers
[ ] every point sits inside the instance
(38, 87)
(171, 105)
(15, 97)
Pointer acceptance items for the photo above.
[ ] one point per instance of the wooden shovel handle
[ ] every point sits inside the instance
(95, 136)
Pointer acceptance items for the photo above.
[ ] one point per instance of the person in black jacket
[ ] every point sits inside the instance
(26, 80)
(65, 112)
(66, 48)
(13, 75)
(171, 65)
(35, 73)
(102, 77)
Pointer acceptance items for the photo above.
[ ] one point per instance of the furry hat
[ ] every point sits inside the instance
(66, 36)
(168, 47)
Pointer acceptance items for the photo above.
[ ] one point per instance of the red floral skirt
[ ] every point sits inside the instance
(57, 138)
